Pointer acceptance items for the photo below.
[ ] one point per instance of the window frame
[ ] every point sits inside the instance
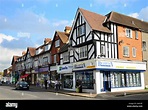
(128, 32)
(57, 43)
(126, 47)
(66, 57)
(83, 52)
(134, 51)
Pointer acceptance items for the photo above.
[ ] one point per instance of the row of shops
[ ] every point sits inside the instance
(97, 75)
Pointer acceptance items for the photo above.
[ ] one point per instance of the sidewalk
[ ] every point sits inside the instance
(90, 95)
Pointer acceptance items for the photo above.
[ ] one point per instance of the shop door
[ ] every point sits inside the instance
(106, 81)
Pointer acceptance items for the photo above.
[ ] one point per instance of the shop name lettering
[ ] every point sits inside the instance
(8, 104)
(79, 66)
(63, 68)
(105, 64)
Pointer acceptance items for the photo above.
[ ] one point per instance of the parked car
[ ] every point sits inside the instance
(22, 85)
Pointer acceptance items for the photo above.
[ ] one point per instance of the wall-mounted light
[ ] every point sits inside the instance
(120, 42)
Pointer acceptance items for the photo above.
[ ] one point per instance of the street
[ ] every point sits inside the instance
(9, 93)
(131, 97)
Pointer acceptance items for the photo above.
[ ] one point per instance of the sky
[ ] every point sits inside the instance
(26, 23)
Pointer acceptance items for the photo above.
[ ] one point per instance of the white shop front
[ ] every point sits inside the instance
(66, 76)
(102, 75)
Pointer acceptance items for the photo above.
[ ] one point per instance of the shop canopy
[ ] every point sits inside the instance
(24, 76)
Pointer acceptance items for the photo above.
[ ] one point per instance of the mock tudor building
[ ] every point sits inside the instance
(99, 58)
(59, 39)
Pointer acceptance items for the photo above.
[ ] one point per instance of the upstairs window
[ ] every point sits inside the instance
(136, 34)
(144, 45)
(83, 52)
(57, 43)
(102, 51)
(126, 51)
(81, 30)
(66, 57)
(128, 33)
(55, 59)
(45, 60)
(134, 52)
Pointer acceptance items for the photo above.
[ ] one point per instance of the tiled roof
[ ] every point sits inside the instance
(32, 51)
(63, 36)
(95, 20)
(14, 59)
(127, 21)
(47, 40)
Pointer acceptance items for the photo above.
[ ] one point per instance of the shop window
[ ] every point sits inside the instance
(125, 79)
(86, 78)
(68, 81)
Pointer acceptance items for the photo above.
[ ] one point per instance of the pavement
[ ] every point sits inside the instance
(90, 95)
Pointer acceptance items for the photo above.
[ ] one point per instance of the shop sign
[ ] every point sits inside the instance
(105, 64)
(43, 69)
(63, 68)
(82, 65)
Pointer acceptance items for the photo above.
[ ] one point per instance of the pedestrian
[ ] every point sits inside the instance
(56, 85)
(45, 82)
(49, 83)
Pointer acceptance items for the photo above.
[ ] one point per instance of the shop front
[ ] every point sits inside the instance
(66, 76)
(102, 75)
(43, 73)
(34, 73)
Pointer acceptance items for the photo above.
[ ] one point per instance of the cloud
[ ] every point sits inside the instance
(141, 15)
(114, 3)
(25, 21)
(135, 15)
(6, 37)
(6, 56)
(61, 23)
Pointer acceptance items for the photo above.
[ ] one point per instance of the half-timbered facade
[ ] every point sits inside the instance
(29, 64)
(94, 43)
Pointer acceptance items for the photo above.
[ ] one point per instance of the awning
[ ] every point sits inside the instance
(24, 76)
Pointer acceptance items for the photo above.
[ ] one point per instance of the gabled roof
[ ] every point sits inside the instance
(63, 36)
(127, 21)
(95, 20)
(14, 59)
(31, 51)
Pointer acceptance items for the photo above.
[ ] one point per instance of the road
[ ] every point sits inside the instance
(131, 97)
(9, 93)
